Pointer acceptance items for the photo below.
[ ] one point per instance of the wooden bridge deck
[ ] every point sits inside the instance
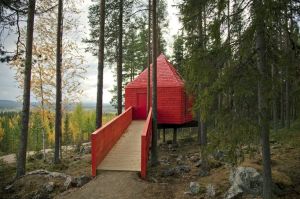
(126, 153)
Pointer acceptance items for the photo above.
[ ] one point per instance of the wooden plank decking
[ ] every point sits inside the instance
(126, 154)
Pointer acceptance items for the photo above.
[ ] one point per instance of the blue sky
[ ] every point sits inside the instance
(8, 86)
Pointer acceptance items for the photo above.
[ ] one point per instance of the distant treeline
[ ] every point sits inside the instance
(12, 106)
(78, 124)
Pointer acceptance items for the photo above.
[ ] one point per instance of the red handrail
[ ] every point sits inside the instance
(146, 143)
(104, 138)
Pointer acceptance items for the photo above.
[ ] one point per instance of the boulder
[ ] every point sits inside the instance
(210, 191)
(39, 194)
(49, 187)
(198, 163)
(194, 188)
(219, 155)
(168, 172)
(244, 180)
(81, 180)
(182, 169)
(194, 158)
(164, 161)
(176, 170)
(68, 182)
(85, 148)
(179, 160)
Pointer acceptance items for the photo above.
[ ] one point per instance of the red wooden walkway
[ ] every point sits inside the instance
(122, 144)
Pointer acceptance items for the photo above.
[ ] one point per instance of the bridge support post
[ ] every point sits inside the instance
(175, 137)
(158, 134)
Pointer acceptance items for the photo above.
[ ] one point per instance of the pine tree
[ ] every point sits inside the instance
(58, 103)
(154, 153)
(21, 161)
(100, 65)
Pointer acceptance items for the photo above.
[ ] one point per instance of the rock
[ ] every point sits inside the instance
(210, 191)
(173, 155)
(179, 160)
(275, 146)
(85, 148)
(182, 169)
(219, 155)
(57, 175)
(187, 193)
(194, 158)
(49, 186)
(164, 161)
(194, 188)
(77, 158)
(9, 188)
(82, 180)
(199, 163)
(213, 164)
(39, 194)
(234, 192)
(86, 144)
(244, 180)
(203, 173)
(67, 183)
(152, 179)
(168, 172)
(176, 170)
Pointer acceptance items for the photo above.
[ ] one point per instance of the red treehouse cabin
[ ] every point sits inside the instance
(173, 105)
(111, 150)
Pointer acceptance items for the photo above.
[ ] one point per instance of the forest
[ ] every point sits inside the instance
(238, 61)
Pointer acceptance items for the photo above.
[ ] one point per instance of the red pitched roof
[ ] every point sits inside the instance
(167, 75)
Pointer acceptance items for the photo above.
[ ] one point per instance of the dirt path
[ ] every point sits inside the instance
(110, 185)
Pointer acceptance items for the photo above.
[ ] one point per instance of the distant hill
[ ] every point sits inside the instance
(10, 105)
(107, 108)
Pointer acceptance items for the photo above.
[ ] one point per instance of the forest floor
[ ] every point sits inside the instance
(160, 183)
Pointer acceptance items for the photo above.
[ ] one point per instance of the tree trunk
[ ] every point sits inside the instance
(198, 128)
(282, 103)
(120, 57)
(100, 66)
(263, 108)
(21, 161)
(288, 62)
(287, 98)
(274, 107)
(149, 57)
(203, 139)
(154, 154)
(58, 114)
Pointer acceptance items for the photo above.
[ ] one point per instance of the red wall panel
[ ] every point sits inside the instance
(171, 104)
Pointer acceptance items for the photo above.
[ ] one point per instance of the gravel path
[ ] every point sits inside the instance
(110, 185)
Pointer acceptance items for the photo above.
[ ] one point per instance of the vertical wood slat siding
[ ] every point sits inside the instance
(171, 104)
(104, 138)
